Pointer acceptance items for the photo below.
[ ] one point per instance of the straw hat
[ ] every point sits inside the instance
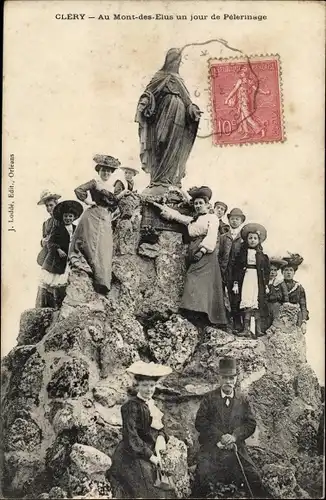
(254, 227)
(150, 370)
(48, 195)
(106, 161)
(67, 206)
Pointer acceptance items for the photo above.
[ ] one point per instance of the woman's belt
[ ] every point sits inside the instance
(251, 266)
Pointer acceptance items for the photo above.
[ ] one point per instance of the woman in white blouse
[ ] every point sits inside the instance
(203, 290)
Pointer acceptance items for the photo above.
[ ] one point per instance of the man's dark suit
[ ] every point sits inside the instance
(213, 420)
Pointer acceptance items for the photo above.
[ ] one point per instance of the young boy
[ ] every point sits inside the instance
(229, 248)
(220, 209)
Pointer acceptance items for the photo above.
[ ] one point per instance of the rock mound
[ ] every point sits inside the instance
(64, 383)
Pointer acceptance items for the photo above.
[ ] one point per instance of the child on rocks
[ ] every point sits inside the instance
(250, 275)
(55, 267)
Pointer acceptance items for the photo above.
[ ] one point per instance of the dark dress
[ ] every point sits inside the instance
(203, 289)
(213, 420)
(297, 295)
(263, 269)
(91, 247)
(131, 473)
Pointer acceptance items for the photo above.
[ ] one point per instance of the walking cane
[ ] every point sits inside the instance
(235, 449)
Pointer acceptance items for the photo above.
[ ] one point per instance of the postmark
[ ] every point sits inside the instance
(246, 100)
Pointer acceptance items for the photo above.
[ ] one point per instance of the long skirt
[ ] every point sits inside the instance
(91, 246)
(133, 477)
(203, 290)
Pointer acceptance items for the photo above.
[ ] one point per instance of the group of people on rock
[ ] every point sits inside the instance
(230, 281)
(224, 421)
(87, 246)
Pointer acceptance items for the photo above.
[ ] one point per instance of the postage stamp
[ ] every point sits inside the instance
(246, 99)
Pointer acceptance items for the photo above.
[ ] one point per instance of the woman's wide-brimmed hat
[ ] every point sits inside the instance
(278, 262)
(133, 169)
(293, 260)
(200, 192)
(106, 161)
(222, 204)
(48, 195)
(67, 206)
(254, 227)
(237, 213)
(150, 370)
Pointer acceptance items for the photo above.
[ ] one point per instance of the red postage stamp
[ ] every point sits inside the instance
(246, 99)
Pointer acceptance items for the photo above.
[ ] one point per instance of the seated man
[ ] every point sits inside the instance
(224, 419)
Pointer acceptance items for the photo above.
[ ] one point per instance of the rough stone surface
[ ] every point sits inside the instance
(70, 380)
(33, 325)
(23, 435)
(175, 464)
(63, 387)
(86, 460)
(173, 342)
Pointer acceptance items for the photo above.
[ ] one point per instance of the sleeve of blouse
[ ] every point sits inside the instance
(82, 191)
(210, 240)
(129, 417)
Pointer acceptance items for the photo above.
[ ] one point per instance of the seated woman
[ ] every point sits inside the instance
(134, 463)
(296, 292)
(50, 200)
(92, 246)
(203, 290)
(277, 290)
(122, 188)
(55, 267)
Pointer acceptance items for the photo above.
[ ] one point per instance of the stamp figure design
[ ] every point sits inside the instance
(246, 100)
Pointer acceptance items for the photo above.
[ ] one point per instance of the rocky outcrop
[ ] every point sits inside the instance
(64, 383)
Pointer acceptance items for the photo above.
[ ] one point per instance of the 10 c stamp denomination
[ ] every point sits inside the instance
(246, 98)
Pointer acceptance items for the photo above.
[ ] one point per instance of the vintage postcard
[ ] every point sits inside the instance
(163, 249)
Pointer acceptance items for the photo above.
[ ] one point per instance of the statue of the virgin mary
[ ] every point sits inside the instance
(168, 123)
